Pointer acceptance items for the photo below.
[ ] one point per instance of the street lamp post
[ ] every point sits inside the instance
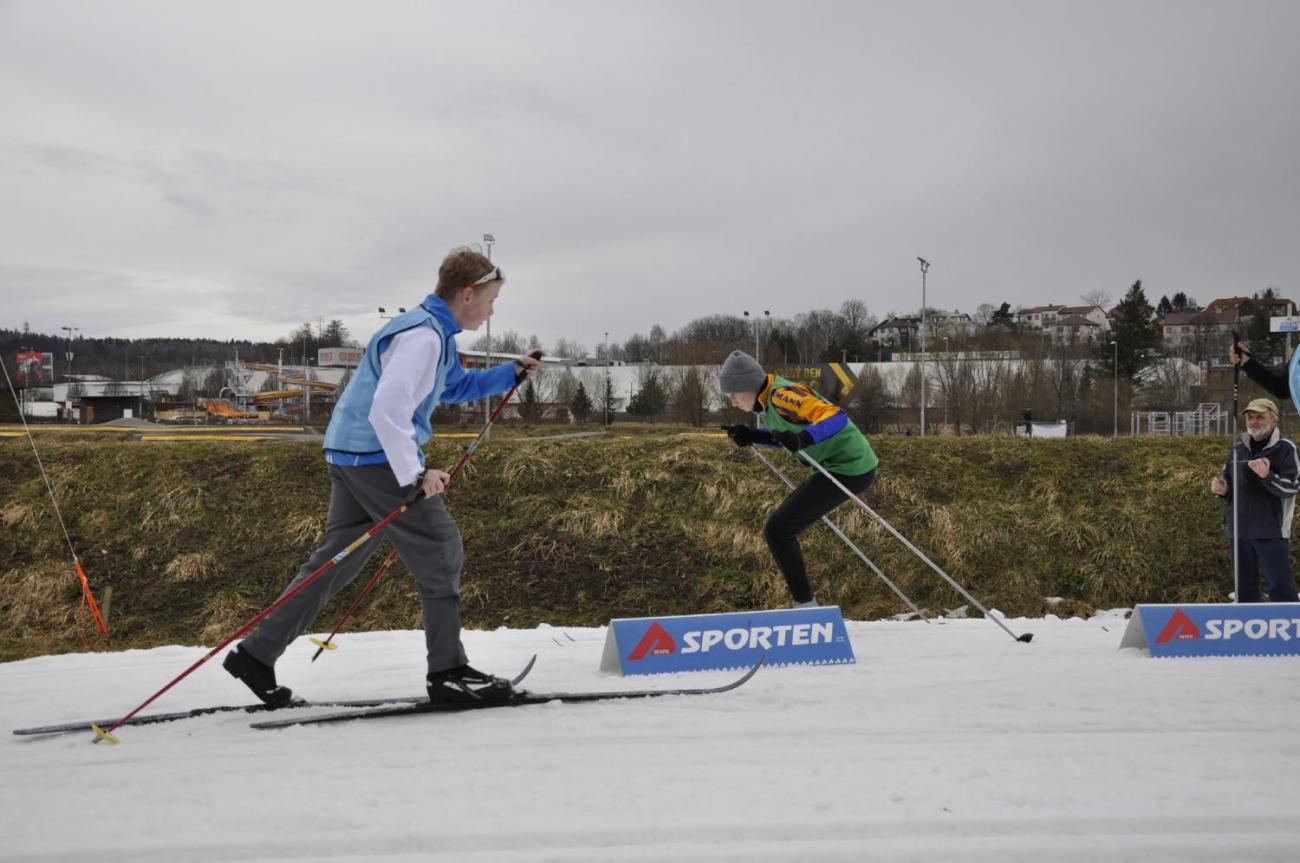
(1115, 408)
(68, 354)
(605, 396)
(947, 384)
(925, 268)
(140, 357)
(758, 351)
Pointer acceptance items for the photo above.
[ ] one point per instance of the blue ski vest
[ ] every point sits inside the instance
(351, 440)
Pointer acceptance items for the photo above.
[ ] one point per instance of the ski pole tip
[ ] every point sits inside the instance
(101, 734)
(1026, 638)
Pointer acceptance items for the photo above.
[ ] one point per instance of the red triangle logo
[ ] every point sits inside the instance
(656, 640)
(1180, 626)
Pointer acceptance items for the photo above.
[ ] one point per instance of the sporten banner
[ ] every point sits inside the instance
(699, 642)
(1242, 629)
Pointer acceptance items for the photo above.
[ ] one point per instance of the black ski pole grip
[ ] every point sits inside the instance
(417, 490)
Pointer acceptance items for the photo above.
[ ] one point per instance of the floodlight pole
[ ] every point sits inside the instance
(925, 268)
(1115, 408)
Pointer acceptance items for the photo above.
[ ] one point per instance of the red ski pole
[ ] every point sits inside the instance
(107, 734)
(328, 643)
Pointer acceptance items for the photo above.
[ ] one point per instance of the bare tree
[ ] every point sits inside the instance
(508, 342)
(956, 385)
(567, 348)
(185, 392)
(657, 340)
(813, 332)
(869, 403)
(212, 383)
(563, 386)
(1166, 385)
(856, 317)
(1097, 298)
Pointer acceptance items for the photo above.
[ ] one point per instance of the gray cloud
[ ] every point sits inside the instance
(233, 169)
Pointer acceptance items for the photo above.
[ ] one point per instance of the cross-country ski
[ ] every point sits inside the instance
(521, 698)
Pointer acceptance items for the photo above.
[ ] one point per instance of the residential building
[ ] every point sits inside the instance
(898, 333)
(1074, 328)
(1037, 317)
(950, 324)
(1096, 314)
(1184, 331)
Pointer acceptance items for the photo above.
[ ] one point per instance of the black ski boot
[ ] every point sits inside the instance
(258, 677)
(464, 685)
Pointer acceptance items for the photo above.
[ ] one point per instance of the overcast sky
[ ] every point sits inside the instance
(232, 169)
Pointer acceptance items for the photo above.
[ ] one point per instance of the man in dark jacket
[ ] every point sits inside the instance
(1270, 477)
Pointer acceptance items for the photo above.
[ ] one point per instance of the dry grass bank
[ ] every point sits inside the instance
(195, 538)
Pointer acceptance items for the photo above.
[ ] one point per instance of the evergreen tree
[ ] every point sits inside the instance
(1137, 332)
(530, 406)
(1003, 317)
(335, 335)
(1265, 345)
(650, 399)
(581, 404)
(608, 403)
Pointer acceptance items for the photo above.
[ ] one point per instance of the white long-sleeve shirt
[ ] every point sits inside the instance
(408, 368)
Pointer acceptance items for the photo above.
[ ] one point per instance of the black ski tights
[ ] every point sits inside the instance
(806, 504)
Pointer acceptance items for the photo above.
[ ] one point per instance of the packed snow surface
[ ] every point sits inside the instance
(946, 741)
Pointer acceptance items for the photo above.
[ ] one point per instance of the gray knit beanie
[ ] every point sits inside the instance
(741, 373)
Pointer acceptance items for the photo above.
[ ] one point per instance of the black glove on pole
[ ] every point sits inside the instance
(744, 435)
(521, 370)
(793, 441)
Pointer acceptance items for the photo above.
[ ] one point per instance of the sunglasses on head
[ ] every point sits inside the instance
(493, 275)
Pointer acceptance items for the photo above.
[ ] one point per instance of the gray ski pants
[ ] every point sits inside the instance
(426, 539)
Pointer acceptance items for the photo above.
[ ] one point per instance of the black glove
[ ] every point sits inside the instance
(521, 371)
(747, 436)
(793, 441)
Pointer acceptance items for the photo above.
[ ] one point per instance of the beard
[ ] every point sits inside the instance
(1259, 434)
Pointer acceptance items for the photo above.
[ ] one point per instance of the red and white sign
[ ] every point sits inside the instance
(35, 369)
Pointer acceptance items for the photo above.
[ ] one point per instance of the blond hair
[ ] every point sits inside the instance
(460, 269)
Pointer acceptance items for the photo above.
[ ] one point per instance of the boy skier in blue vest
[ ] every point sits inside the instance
(374, 448)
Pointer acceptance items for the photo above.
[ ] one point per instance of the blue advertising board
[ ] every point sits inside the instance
(701, 642)
(1241, 629)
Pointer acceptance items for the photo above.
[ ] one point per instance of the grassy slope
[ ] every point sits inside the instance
(194, 538)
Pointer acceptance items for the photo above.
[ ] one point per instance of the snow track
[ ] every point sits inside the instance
(944, 742)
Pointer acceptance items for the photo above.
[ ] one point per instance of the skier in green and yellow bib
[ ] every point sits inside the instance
(796, 418)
